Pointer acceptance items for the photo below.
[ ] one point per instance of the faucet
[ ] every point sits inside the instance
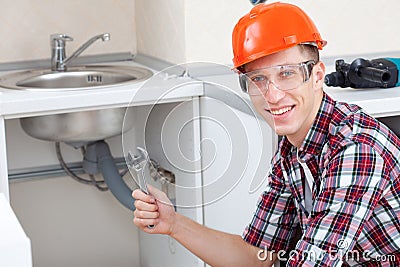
(57, 42)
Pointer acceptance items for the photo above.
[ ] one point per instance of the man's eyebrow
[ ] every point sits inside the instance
(278, 65)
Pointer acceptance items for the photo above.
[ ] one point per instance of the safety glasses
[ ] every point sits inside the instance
(283, 77)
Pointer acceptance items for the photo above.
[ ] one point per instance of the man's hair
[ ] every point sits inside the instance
(311, 51)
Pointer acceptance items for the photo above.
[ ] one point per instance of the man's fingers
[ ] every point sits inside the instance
(142, 214)
(141, 205)
(139, 195)
(158, 194)
(155, 194)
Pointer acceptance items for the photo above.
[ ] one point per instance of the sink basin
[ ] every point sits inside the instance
(86, 77)
(81, 126)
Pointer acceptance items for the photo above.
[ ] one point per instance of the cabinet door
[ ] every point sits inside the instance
(171, 134)
(236, 151)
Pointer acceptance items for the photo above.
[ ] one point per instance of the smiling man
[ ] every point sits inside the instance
(335, 173)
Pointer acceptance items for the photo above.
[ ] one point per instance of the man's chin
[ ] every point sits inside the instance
(282, 131)
(278, 129)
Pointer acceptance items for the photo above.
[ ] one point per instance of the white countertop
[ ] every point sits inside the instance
(379, 102)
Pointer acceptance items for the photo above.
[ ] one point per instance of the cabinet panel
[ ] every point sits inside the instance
(171, 133)
(236, 153)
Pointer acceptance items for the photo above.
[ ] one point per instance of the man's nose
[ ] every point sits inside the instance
(272, 94)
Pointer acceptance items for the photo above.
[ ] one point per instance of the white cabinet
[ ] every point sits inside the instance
(15, 246)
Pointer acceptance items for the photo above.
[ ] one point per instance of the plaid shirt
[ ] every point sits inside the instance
(354, 218)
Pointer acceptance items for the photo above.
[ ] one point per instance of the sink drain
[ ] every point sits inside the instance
(94, 78)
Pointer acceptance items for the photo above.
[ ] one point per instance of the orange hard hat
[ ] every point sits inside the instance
(269, 28)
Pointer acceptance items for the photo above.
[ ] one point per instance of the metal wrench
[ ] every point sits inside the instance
(138, 163)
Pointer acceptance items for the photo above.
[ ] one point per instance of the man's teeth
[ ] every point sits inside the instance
(280, 111)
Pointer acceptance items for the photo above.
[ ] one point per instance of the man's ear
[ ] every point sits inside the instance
(318, 73)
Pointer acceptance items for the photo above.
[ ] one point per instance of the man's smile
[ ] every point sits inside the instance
(280, 111)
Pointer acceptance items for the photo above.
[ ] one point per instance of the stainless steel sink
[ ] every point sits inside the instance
(82, 126)
(76, 78)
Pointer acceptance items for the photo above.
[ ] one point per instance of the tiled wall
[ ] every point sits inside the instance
(25, 26)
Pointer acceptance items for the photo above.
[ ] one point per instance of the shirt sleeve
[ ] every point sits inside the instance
(273, 222)
(351, 188)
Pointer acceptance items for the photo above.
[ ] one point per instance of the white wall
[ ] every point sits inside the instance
(26, 26)
(209, 26)
(182, 31)
(351, 27)
(357, 26)
(161, 29)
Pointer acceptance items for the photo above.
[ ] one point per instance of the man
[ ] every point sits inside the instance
(336, 171)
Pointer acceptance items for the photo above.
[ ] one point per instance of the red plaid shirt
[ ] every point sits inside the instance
(355, 215)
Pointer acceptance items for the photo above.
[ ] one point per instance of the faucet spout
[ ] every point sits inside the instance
(104, 37)
(59, 62)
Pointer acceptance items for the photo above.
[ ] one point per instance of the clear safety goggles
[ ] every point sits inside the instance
(283, 77)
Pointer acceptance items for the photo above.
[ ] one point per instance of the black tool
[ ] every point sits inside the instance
(363, 73)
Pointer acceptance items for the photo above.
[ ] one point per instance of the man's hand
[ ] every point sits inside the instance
(153, 209)
(214, 247)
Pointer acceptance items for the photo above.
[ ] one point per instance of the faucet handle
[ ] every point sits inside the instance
(59, 39)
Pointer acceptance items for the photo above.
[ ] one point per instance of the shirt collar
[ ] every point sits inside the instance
(314, 141)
